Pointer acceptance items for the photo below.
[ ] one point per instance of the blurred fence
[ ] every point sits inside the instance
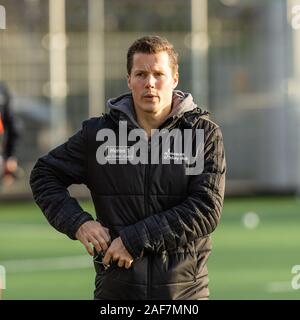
(250, 63)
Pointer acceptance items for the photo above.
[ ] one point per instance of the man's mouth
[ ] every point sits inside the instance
(150, 96)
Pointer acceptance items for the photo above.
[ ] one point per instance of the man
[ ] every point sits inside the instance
(8, 135)
(151, 238)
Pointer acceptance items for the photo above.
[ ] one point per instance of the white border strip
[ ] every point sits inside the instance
(2, 17)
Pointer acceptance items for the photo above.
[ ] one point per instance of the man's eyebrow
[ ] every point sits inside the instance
(140, 70)
(147, 71)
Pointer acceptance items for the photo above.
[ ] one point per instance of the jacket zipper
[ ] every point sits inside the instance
(146, 202)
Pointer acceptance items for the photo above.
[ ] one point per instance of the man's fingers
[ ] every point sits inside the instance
(96, 244)
(107, 258)
(128, 264)
(118, 253)
(125, 263)
(120, 263)
(88, 247)
(96, 230)
(96, 234)
(107, 234)
(99, 243)
(104, 234)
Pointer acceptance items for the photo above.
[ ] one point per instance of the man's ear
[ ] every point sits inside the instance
(176, 80)
(129, 81)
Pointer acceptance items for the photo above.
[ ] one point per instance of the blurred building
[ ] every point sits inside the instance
(63, 59)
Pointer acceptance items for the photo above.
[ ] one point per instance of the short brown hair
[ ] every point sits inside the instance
(152, 45)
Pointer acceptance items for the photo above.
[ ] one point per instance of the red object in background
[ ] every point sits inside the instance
(1, 125)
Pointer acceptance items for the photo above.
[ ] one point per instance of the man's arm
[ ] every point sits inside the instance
(10, 131)
(10, 135)
(196, 217)
(49, 180)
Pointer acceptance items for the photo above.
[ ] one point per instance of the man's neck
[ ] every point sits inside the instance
(149, 121)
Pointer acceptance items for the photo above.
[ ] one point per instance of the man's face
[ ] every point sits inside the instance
(151, 82)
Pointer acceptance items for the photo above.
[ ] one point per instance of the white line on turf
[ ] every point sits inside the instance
(22, 225)
(278, 287)
(47, 264)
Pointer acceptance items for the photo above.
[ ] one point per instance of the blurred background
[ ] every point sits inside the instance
(62, 59)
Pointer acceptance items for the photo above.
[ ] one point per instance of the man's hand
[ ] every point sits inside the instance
(118, 252)
(10, 168)
(93, 232)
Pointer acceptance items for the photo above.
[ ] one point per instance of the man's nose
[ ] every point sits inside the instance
(150, 81)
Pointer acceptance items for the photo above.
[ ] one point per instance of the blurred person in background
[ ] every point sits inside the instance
(151, 238)
(8, 135)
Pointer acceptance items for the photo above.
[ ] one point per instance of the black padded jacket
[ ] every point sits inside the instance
(157, 209)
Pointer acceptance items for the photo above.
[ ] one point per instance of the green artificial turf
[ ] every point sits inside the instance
(244, 264)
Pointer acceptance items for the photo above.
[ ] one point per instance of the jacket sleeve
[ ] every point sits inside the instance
(197, 216)
(50, 178)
